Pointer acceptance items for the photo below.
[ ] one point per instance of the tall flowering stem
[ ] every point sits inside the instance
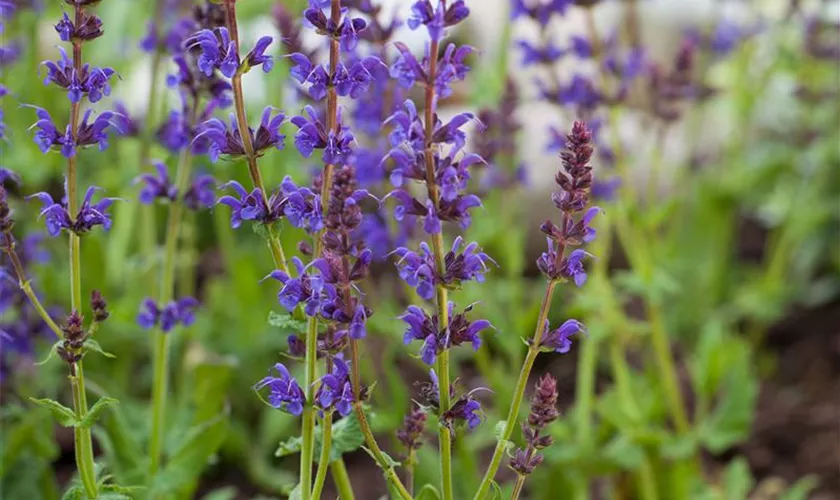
(250, 153)
(311, 355)
(557, 264)
(444, 432)
(165, 296)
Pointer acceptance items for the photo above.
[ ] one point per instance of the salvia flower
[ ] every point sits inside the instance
(419, 269)
(228, 141)
(218, 51)
(437, 19)
(313, 134)
(285, 393)
(353, 80)
(335, 391)
(157, 186)
(465, 409)
(88, 29)
(89, 81)
(303, 290)
(301, 206)
(251, 206)
(559, 339)
(201, 193)
(181, 311)
(451, 67)
(172, 42)
(540, 11)
(89, 215)
(435, 339)
(346, 30)
(48, 137)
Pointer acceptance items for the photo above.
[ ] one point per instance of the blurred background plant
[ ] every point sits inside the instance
(710, 369)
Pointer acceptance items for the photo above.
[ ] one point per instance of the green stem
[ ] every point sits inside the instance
(324, 461)
(81, 435)
(82, 439)
(409, 471)
(444, 433)
(667, 370)
(517, 488)
(518, 394)
(373, 447)
(308, 420)
(160, 381)
(342, 480)
(585, 396)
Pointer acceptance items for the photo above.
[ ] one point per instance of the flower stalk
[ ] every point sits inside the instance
(160, 382)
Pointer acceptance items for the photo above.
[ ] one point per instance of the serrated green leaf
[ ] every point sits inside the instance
(286, 322)
(93, 345)
(96, 410)
(499, 430)
(63, 414)
(428, 492)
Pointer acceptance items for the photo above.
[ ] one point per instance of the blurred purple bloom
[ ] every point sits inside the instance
(156, 186)
(181, 311)
(540, 11)
(200, 193)
(533, 54)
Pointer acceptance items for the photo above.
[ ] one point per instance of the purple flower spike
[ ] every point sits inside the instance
(88, 81)
(558, 340)
(201, 193)
(285, 393)
(90, 215)
(181, 311)
(436, 19)
(427, 328)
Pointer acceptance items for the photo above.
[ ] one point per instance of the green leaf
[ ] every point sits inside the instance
(286, 322)
(389, 462)
(346, 437)
(209, 388)
(737, 480)
(622, 451)
(289, 447)
(96, 410)
(190, 457)
(75, 492)
(125, 490)
(428, 492)
(93, 345)
(63, 414)
(678, 447)
(227, 493)
(497, 491)
(52, 353)
(800, 489)
(295, 493)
